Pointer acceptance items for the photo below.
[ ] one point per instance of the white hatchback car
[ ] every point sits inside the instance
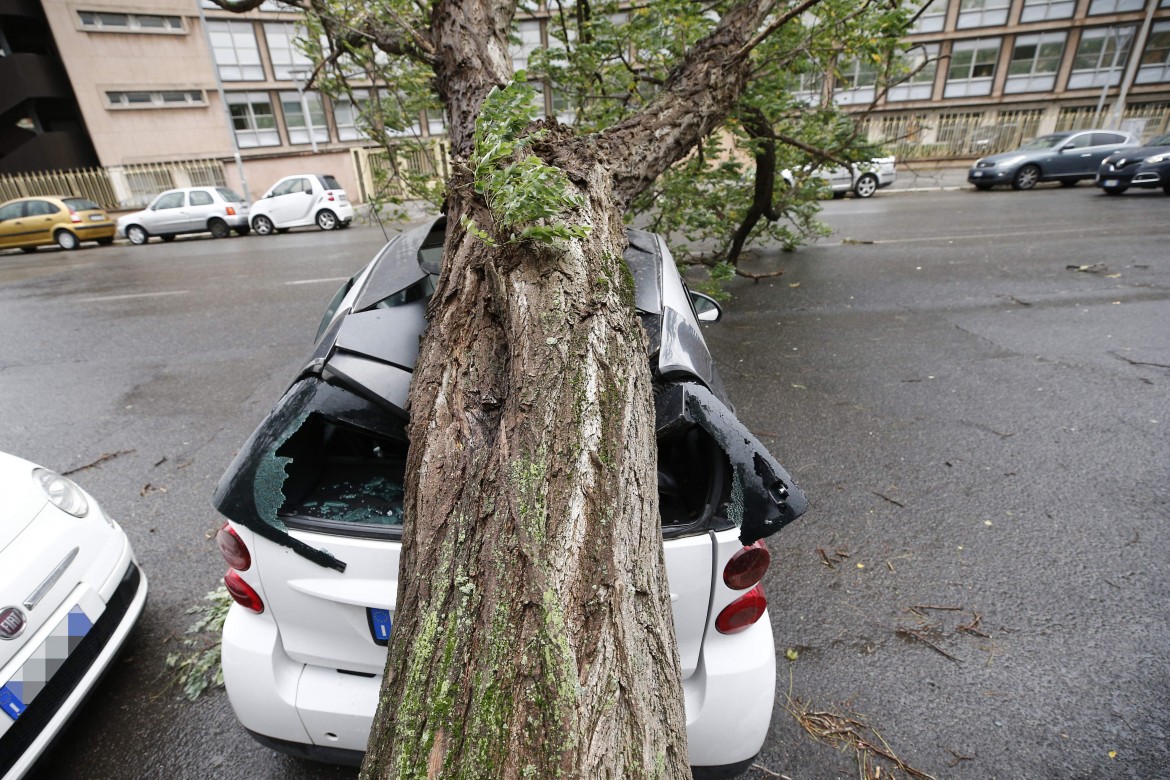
(70, 592)
(863, 179)
(302, 200)
(214, 210)
(314, 503)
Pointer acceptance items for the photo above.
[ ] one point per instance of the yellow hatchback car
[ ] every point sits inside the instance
(31, 222)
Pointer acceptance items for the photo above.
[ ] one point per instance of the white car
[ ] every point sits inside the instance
(70, 592)
(314, 503)
(302, 200)
(863, 179)
(214, 210)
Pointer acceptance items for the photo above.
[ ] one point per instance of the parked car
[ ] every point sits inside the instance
(302, 200)
(70, 593)
(1147, 167)
(41, 221)
(1063, 157)
(863, 179)
(321, 482)
(214, 210)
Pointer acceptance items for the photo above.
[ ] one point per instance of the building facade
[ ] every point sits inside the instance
(166, 93)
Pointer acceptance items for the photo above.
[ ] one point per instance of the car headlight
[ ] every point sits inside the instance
(62, 492)
(1157, 158)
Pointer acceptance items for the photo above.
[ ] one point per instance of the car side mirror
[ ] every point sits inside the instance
(706, 308)
(1065, 148)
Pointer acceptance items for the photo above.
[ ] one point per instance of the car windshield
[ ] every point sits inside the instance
(1044, 142)
(229, 195)
(80, 204)
(1160, 140)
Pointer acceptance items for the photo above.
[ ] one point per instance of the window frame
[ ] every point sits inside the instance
(239, 68)
(1096, 77)
(171, 24)
(972, 85)
(254, 134)
(1035, 80)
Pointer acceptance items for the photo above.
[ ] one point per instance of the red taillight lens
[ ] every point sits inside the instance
(742, 613)
(74, 216)
(747, 567)
(232, 548)
(231, 210)
(242, 593)
(329, 195)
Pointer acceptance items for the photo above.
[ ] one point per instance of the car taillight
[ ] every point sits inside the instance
(233, 549)
(742, 613)
(747, 567)
(242, 593)
(74, 216)
(231, 211)
(329, 195)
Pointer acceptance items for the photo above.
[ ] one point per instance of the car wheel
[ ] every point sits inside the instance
(1026, 178)
(105, 241)
(66, 240)
(983, 187)
(326, 219)
(219, 228)
(167, 236)
(137, 234)
(867, 185)
(1113, 190)
(243, 230)
(262, 225)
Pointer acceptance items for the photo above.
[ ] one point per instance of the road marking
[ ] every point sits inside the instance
(132, 296)
(333, 279)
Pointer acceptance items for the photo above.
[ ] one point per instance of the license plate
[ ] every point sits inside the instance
(976, 174)
(343, 198)
(30, 679)
(97, 217)
(1109, 183)
(380, 623)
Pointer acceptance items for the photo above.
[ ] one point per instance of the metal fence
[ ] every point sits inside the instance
(116, 187)
(1144, 120)
(384, 173)
(954, 135)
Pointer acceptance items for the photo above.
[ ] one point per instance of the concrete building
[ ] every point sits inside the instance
(166, 93)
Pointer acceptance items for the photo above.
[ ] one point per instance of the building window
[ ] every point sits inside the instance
(286, 56)
(1155, 64)
(236, 53)
(347, 115)
(982, 13)
(855, 82)
(1039, 10)
(1100, 57)
(253, 119)
(294, 117)
(1035, 60)
(115, 22)
(160, 99)
(1115, 6)
(921, 63)
(932, 16)
(526, 41)
(972, 67)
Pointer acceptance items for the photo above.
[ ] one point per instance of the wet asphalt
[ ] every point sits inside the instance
(981, 581)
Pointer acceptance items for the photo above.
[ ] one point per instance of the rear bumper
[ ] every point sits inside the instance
(325, 714)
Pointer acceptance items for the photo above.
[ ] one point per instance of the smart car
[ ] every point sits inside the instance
(44, 220)
(214, 210)
(70, 593)
(314, 508)
(1147, 167)
(300, 201)
(1064, 157)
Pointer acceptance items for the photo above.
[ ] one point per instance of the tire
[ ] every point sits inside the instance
(1026, 178)
(137, 234)
(262, 225)
(866, 186)
(327, 220)
(243, 230)
(219, 228)
(107, 241)
(983, 187)
(1113, 190)
(168, 237)
(66, 240)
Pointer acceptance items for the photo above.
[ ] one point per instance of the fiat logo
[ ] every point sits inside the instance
(12, 623)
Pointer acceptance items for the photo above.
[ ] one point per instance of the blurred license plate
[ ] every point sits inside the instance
(1109, 183)
(976, 174)
(96, 217)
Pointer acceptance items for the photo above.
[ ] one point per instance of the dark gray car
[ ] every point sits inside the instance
(1064, 157)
